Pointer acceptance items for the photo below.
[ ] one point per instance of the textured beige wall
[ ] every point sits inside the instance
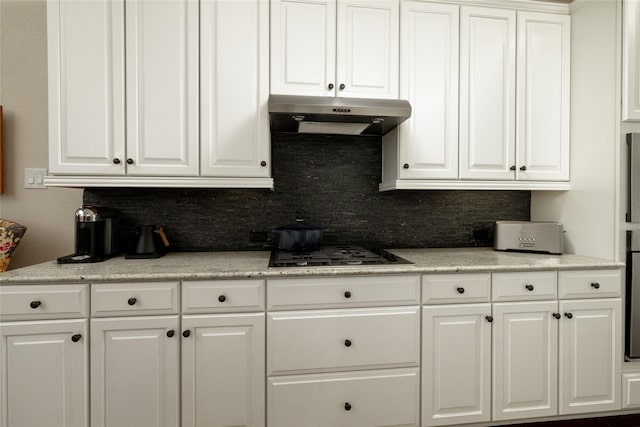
(48, 213)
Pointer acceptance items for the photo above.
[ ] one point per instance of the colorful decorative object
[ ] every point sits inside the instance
(10, 235)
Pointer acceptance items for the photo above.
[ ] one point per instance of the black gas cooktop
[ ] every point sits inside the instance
(343, 255)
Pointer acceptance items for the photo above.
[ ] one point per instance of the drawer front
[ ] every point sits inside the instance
(456, 288)
(134, 299)
(525, 286)
(33, 302)
(367, 398)
(335, 292)
(219, 296)
(333, 340)
(589, 284)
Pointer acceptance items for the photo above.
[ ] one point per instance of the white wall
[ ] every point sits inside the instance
(589, 211)
(48, 213)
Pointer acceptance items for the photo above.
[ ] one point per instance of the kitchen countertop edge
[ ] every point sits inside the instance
(254, 265)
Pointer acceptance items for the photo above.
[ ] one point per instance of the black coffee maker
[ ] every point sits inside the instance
(95, 236)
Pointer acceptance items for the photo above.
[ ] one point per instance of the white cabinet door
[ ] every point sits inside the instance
(525, 360)
(162, 87)
(487, 93)
(456, 364)
(428, 141)
(86, 87)
(135, 372)
(367, 48)
(543, 96)
(234, 69)
(223, 370)
(43, 374)
(303, 47)
(590, 356)
(631, 61)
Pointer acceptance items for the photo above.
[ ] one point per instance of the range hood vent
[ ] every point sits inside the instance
(336, 116)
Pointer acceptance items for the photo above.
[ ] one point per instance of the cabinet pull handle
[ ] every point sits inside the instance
(330, 86)
(460, 290)
(529, 287)
(342, 86)
(595, 285)
(263, 163)
(222, 298)
(132, 301)
(116, 161)
(186, 333)
(557, 315)
(347, 294)
(347, 343)
(512, 168)
(523, 168)
(76, 337)
(489, 318)
(171, 333)
(129, 161)
(406, 166)
(568, 315)
(35, 304)
(347, 406)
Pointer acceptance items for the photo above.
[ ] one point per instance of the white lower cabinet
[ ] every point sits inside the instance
(387, 397)
(456, 364)
(135, 372)
(43, 374)
(223, 378)
(525, 363)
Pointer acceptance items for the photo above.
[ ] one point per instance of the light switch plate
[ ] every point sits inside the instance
(34, 178)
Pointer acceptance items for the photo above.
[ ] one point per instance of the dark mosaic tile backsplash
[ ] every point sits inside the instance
(328, 181)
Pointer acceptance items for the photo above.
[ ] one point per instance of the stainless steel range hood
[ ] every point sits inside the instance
(336, 116)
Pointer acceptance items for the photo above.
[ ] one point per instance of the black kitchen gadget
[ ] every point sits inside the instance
(343, 255)
(95, 239)
(152, 242)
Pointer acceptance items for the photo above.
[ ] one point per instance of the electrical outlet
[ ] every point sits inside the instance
(34, 178)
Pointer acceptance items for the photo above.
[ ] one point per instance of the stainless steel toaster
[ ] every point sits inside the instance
(529, 236)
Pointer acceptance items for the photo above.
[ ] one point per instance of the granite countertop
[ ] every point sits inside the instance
(228, 265)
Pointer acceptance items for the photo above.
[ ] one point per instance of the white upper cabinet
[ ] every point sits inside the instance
(498, 119)
(335, 48)
(543, 97)
(162, 87)
(429, 81)
(487, 93)
(234, 69)
(631, 61)
(86, 87)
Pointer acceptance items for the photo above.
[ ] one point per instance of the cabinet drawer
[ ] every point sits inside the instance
(456, 288)
(134, 299)
(33, 302)
(330, 292)
(324, 340)
(525, 286)
(368, 398)
(218, 296)
(589, 284)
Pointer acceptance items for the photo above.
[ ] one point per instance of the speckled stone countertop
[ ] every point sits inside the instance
(228, 265)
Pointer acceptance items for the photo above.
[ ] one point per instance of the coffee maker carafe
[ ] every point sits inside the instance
(95, 235)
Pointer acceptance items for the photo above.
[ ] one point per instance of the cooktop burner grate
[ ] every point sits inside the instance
(334, 256)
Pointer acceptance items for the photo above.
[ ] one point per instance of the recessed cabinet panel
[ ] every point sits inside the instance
(428, 142)
(487, 93)
(162, 87)
(543, 96)
(525, 360)
(43, 374)
(590, 356)
(86, 86)
(367, 48)
(303, 47)
(631, 61)
(234, 65)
